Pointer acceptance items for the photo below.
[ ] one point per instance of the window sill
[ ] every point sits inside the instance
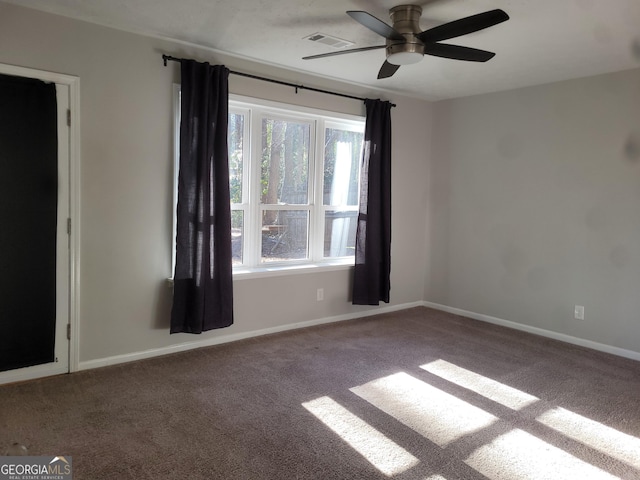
(280, 270)
(283, 270)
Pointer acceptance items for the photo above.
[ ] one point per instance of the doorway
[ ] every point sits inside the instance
(37, 248)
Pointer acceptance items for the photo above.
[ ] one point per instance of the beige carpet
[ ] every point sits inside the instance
(418, 394)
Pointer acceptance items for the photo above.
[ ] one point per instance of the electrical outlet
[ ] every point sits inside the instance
(320, 294)
(578, 312)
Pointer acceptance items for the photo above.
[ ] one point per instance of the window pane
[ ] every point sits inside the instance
(285, 235)
(236, 155)
(341, 166)
(237, 236)
(340, 233)
(285, 162)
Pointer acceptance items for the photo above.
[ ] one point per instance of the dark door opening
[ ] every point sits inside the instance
(28, 221)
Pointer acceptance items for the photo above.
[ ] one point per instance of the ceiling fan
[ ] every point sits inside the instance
(407, 44)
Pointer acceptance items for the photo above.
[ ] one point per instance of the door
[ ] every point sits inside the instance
(34, 235)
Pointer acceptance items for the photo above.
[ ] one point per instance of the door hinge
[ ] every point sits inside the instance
(69, 117)
(68, 331)
(68, 226)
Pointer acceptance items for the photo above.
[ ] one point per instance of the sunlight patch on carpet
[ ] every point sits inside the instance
(434, 414)
(498, 392)
(384, 454)
(518, 455)
(607, 440)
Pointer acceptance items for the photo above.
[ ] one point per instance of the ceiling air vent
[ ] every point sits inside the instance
(329, 40)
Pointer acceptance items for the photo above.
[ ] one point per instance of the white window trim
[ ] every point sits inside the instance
(251, 208)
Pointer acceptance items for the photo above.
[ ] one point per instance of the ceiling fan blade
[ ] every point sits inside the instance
(342, 52)
(463, 26)
(387, 70)
(376, 25)
(457, 52)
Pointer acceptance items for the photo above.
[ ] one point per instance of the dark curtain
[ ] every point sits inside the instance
(373, 238)
(28, 221)
(203, 284)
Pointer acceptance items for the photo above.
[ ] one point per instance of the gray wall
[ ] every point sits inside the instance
(534, 197)
(126, 185)
(530, 196)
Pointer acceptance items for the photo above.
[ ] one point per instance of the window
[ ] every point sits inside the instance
(294, 179)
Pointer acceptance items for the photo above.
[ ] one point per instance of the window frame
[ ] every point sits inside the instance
(254, 110)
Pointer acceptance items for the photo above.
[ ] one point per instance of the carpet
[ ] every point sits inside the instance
(416, 394)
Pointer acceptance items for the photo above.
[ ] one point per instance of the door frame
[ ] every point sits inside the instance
(73, 84)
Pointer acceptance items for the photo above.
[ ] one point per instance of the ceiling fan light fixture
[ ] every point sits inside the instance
(404, 58)
(407, 44)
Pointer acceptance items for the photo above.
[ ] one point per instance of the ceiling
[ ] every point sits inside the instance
(544, 40)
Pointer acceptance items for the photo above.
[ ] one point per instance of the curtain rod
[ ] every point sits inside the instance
(166, 58)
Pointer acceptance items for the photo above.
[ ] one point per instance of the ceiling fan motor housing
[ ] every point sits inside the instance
(406, 21)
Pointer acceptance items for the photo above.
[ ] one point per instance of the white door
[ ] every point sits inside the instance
(60, 361)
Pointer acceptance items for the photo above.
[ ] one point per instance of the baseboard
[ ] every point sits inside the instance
(31, 373)
(621, 352)
(181, 347)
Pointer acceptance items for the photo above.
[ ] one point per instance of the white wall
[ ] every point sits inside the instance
(126, 185)
(534, 207)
